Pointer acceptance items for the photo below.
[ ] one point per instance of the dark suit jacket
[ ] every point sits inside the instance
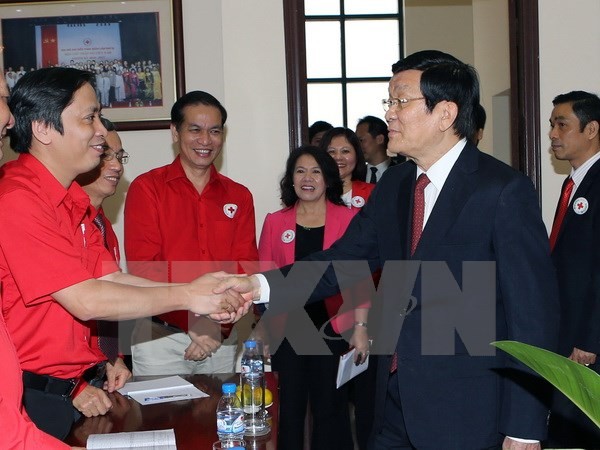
(576, 256)
(486, 211)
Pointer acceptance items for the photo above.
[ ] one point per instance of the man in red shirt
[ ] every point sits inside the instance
(183, 220)
(18, 431)
(56, 274)
(101, 183)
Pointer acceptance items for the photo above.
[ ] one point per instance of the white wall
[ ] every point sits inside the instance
(569, 60)
(492, 61)
(475, 31)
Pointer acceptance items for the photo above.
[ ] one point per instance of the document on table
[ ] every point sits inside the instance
(161, 390)
(347, 369)
(157, 440)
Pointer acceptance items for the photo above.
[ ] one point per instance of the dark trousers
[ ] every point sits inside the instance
(393, 435)
(569, 427)
(54, 412)
(361, 392)
(51, 413)
(304, 378)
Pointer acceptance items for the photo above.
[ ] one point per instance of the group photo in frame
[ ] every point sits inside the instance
(134, 49)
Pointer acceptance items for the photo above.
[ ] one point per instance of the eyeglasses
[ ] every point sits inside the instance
(397, 102)
(122, 156)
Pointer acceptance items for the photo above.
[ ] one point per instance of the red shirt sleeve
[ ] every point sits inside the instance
(29, 232)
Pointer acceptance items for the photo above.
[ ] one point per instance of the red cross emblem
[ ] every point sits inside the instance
(230, 209)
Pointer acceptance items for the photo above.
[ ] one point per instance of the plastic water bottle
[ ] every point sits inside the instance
(252, 360)
(230, 415)
(253, 389)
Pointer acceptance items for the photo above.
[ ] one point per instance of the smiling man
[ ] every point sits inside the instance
(101, 183)
(57, 276)
(183, 220)
(450, 205)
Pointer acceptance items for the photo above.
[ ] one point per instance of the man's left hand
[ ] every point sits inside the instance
(510, 444)
(117, 375)
(583, 357)
(92, 402)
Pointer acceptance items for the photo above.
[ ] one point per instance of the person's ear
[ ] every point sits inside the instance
(449, 113)
(41, 132)
(592, 129)
(174, 133)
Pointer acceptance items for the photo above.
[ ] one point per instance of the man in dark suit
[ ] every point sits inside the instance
(474, 213)
(575, 242)
(372, 134)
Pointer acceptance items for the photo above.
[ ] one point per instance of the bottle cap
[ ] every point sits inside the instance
(228, 388)
(250, 344)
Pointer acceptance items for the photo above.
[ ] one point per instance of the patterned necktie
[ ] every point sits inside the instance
(561, 210)
(417, 229)
(99, 222)
(418, 211)
(107, 331)
(373, 179)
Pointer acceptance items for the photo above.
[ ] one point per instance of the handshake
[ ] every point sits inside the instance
(223, 297)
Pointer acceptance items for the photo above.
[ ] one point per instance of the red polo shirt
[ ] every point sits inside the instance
(18, 431)
(175, 234)
(48, 242)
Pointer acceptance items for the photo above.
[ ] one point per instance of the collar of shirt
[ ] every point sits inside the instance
(381, 167)
(579, 174)
(347, 198)
(437, 174)
(74, 198)
(175, 171)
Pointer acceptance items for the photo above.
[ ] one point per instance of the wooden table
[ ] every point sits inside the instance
(194, 421)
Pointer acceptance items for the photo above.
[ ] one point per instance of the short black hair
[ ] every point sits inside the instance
(108, 124)
(317, 127)
(376, 127)
(586, 106)
(445, 78)
(360, 171)
(331, 175)
(42, 95)
(195, 98)
(479, 119)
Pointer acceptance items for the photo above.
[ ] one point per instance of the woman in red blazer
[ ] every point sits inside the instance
(313, 218)
(344, 146)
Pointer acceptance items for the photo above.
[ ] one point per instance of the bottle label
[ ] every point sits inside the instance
(230, 423)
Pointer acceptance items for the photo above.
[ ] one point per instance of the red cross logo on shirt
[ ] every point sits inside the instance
(230, 209)
(288, 236)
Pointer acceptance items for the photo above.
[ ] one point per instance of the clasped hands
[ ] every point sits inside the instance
(223, 297)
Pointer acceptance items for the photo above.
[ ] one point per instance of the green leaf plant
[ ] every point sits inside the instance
(579, 383)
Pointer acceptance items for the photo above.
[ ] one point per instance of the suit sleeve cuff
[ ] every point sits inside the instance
(524, 441)
(265, 290)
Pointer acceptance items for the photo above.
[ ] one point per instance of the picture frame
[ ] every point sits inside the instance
(135, 49)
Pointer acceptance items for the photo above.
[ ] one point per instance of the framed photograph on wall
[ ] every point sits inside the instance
(134, 48)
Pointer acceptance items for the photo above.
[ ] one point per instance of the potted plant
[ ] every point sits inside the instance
(579, 383)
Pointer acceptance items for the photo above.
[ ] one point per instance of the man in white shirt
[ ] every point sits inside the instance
(372, 133)
(575, 240)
